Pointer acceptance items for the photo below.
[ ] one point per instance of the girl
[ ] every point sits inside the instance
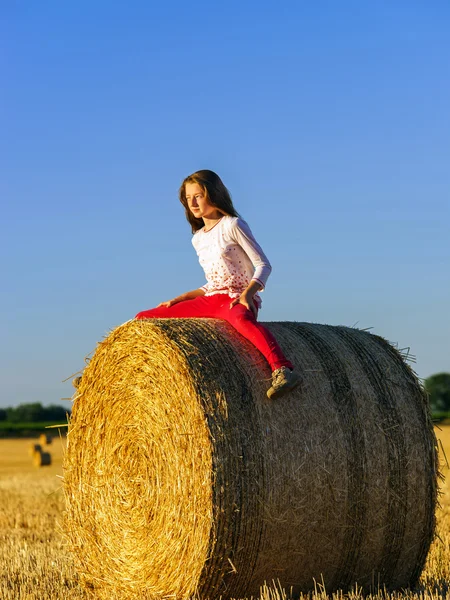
(236, 269)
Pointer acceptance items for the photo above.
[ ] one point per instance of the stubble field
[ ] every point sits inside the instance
(35, 565)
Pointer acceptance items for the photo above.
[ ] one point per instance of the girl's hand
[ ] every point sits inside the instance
(168, 303)
(187, 296)
(246, 301)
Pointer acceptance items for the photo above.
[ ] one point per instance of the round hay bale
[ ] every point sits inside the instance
(33, 448)
(182, 478)
(45, 439)
(42, 459)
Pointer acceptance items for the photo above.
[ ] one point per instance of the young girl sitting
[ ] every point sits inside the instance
(236, 269)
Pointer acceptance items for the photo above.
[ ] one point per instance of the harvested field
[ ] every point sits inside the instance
(34, 564)
(33, 561)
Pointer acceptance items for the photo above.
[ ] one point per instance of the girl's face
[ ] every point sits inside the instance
(198, 203)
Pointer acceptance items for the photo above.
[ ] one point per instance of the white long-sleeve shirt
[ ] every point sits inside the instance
(231, 257)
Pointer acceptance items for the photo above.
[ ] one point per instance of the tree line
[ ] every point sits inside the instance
(438, 389)
(34, 413)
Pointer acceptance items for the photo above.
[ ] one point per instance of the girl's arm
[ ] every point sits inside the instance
(241, 234)
(186, 296)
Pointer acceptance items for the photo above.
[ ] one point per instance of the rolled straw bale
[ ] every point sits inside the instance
(42, 459)
(182, 478)
(33, 448)
(45, 439)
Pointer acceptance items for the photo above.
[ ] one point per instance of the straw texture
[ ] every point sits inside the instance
(182, 478)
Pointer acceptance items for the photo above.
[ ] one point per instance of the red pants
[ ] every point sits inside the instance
(218, 307)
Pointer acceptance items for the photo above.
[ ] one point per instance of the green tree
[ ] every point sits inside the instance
(55, 413)
(26, 413)
(438, 388)
(35, 413)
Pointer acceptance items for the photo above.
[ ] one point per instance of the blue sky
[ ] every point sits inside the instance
(328, 122)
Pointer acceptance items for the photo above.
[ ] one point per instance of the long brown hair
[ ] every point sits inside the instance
(216, 194)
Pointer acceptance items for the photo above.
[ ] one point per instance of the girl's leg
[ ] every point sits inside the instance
(245, 323)
(202, 306)
(242, 319)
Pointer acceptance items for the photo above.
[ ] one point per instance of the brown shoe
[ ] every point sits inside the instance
(283, 381)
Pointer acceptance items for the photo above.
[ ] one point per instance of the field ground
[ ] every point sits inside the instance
(34, 564)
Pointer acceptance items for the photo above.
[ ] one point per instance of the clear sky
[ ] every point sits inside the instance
(328, 121)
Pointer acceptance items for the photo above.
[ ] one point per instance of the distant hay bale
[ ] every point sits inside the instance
(33, 448)
(45, 439)
(42, 459)
(182, 478)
